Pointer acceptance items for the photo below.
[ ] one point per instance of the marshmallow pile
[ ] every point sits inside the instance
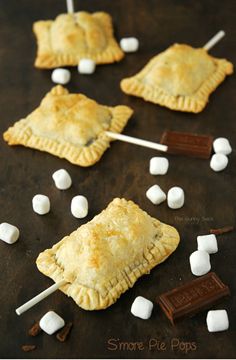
(175, 196)
(51, 322)
(63, 76)
(63, 181)
(142, 308)
(222, 148)
(200, 260)
(217, 320)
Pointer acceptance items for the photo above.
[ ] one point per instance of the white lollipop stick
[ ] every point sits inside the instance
(214, 40)
(137, 141)
(70, 6)
(29, 304)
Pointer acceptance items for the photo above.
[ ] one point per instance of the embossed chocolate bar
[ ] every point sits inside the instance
(199, 146)
(192, 297)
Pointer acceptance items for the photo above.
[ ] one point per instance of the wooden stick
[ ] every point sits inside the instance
(29, 304)
(222, 230)
(137, 141)
(70, 6)
(213, 41)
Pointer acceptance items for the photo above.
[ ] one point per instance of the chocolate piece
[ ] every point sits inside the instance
(222, 230)
(198, 146)
(27, 348)
(64, 332)
(192, 297)
(34, 330)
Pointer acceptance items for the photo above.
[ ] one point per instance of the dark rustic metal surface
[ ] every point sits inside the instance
(122, 171)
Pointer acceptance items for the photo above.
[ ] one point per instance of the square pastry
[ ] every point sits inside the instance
(180, 78)
(70, 126)
(104, 258)
(71, 37)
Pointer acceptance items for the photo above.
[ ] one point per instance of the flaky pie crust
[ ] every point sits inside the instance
(104, 258)
(180, 78)
(71, 37)
(64, 124)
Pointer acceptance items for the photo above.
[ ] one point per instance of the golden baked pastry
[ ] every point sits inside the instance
(70, 126)
(104, 258)
(71, 37)
(180, 78)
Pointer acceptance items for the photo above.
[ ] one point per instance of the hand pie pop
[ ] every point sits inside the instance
(104, 258)
(72, 37)
(70, 126)
(180, 78)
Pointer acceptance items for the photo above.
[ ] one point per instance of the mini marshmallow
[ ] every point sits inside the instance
(86, 66)
(158, 165)
(9, 233)
(61, 76)
(175, 197)
(217, 320)
(129, 44)
(41, 204)
(142, 308)
(62, 179)
(222, 146)
(219, 162)
(79, 206)
(200, 262)
(207, 243)
(156, 195)
(51, 322)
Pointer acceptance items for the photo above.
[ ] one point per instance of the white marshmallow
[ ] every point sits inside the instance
(158, 165)
(61, 76)
(62, 179)
(200, 262)
(41, 204)
(175, 197)
(156, 195)
(86, 66)
(207, 243)
(217, 320)
(129, 44)
(79, 206)
(219, 162)
(51, 322)
(142, 308)
(222, 146)
(9, 233)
